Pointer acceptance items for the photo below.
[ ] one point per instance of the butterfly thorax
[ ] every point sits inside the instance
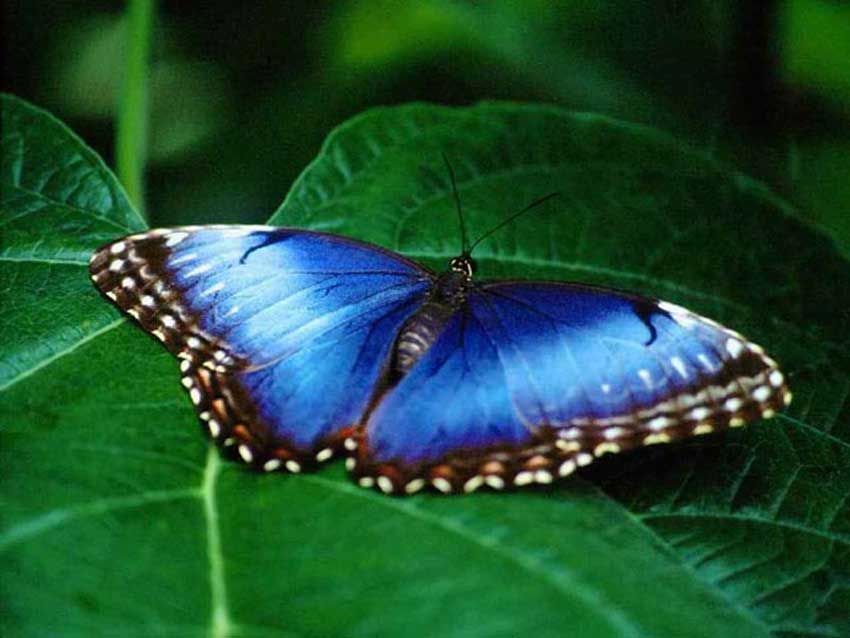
(422, 329)
(453, 286)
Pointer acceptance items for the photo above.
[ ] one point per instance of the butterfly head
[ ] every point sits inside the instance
(463, 265)
(453, 286)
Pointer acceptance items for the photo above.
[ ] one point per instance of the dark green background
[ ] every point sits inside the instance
(242, 94)
(117, 520)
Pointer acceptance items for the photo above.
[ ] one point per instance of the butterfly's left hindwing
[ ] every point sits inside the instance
(529, 381)
(283, 333)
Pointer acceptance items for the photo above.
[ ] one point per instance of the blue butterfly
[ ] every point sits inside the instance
(297, 346)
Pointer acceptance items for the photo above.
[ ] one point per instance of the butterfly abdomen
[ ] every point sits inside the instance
(419, 334)
(423, 328)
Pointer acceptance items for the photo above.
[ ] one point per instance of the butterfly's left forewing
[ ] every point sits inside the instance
(529, 381)
(283, 334)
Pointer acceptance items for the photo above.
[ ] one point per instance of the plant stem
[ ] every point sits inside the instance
(131, 133)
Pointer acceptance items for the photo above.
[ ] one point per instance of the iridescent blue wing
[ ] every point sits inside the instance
(530, 380)
(283, 333)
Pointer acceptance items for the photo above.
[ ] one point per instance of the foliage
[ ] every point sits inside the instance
(242, 96)
(117, 518)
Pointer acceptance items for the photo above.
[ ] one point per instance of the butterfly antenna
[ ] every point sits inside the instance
(508, 220)
(463, 239)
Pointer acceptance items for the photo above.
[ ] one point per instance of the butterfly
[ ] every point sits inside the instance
(297, 346)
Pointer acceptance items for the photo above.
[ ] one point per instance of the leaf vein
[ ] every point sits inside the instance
(562, 580)
(54, 518)
(794, 526)
(58, 355)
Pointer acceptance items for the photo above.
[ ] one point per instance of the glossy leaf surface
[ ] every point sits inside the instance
(116, 518)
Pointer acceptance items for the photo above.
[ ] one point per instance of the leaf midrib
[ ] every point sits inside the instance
(221, 624)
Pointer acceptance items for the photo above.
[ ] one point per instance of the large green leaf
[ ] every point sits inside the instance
(59, 202)
(117, 519)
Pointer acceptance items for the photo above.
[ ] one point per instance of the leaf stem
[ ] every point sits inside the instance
(131, 126)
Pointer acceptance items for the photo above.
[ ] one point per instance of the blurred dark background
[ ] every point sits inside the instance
(242, 94)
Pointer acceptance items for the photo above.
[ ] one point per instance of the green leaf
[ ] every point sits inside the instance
(59, 202)
(116, 518)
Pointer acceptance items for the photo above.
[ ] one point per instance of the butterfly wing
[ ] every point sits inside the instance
(530, 380)
(283, 333)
